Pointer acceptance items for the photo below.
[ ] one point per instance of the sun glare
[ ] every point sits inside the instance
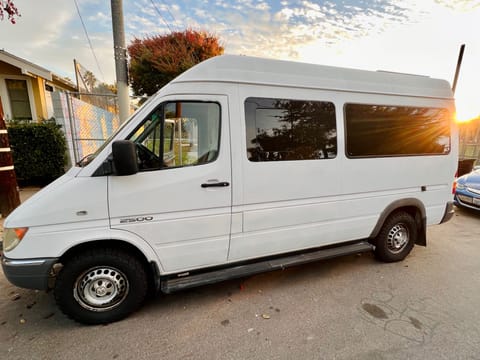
(465, 111)
(463, 117)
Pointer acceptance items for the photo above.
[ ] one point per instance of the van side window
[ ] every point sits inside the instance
(179, 134)
(381, 131)
(281, 129)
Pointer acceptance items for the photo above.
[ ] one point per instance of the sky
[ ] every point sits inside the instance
(411, 36)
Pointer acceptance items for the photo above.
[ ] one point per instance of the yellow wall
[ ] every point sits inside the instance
(38, 87)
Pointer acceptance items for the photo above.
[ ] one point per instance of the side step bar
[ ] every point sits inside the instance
(210, 277)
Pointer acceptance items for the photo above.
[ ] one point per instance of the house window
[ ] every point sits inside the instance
(19, 100)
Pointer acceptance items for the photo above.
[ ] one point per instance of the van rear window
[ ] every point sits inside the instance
(281, 129)
(382, 131)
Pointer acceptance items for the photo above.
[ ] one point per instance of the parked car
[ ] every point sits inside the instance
(467, 190)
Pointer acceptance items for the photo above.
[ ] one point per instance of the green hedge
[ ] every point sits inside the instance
(39, 151)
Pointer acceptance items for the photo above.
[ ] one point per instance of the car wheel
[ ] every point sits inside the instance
(100, 286)
(396, 238)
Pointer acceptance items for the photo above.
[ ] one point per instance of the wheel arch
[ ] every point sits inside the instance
(151, 267)
(412, 206)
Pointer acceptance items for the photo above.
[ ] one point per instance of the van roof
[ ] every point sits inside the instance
(251, 70)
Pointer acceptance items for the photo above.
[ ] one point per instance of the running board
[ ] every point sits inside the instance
(214, 276)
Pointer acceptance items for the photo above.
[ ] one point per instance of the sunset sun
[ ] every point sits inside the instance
(466, 114)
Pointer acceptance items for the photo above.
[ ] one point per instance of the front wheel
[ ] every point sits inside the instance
(396, 238)
(100, 286)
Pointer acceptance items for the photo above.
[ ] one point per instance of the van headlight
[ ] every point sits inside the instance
(12, 237)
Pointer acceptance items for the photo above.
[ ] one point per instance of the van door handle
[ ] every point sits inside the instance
(216, 184)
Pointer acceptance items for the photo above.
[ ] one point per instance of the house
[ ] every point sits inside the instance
(26, 88)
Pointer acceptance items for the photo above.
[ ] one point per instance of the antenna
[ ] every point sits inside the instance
(459, 65)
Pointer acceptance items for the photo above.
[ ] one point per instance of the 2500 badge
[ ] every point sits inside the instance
(136, 219)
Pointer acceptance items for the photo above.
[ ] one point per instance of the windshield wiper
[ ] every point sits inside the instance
(86, 160)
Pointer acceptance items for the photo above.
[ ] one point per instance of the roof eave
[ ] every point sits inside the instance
(26, 67)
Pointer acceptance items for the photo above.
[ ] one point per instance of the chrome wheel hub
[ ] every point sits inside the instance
(398, 238)
(101, 288)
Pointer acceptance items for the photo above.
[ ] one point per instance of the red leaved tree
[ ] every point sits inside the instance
(156, 60)
(7, 7)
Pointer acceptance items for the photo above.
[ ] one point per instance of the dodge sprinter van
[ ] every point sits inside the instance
(240, 165)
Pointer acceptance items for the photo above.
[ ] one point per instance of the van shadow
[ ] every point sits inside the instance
(286, 280)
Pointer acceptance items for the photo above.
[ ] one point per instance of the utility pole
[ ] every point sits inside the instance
(9, 197)
(459, 65)
(120, 53)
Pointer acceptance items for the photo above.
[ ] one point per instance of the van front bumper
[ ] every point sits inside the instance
(28, 273)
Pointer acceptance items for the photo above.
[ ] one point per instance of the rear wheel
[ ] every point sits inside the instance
(101, 286)
(396, 238)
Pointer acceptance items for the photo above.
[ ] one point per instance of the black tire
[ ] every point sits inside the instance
(396, 238)
(101, 286)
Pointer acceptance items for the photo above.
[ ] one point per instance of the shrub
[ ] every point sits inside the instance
(39, 151)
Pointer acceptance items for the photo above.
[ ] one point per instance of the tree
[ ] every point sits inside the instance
(9, 8)
(89, 80)
(106, 89)
(156, 60)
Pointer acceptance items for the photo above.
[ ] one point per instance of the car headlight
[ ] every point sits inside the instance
(460, 186)
(12, 237)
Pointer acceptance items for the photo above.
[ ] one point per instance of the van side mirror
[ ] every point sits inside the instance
(124, 155)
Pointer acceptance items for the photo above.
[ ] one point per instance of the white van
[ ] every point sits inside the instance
(238, 166)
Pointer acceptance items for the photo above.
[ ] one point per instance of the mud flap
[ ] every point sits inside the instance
(421, 230)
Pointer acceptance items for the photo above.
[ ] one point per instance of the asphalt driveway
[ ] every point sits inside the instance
(426, 307)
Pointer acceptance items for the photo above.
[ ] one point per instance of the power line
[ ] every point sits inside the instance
(168, 9)
(160, 14)
(88, 39)
(168, 26)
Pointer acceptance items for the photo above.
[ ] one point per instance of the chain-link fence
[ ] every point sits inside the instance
(88, 120)
(93, 119)
(469, 136)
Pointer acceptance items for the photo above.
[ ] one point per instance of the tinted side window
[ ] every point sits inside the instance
(281, 129)
(376, 130)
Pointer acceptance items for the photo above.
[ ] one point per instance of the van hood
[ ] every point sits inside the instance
(70, 198)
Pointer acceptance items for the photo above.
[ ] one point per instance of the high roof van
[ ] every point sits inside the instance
(240, 165)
